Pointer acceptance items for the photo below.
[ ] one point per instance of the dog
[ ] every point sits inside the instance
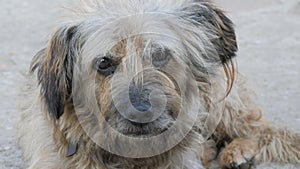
(145, 84)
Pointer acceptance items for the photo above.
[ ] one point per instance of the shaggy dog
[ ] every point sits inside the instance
(145, 84)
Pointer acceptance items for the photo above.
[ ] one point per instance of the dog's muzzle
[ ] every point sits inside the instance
(143, 107)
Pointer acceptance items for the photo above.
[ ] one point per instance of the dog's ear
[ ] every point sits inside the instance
(54, 65)
(214, 19)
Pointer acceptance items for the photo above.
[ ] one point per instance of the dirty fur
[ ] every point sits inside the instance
(198, 43)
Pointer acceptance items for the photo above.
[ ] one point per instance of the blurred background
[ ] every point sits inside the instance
(268, 33)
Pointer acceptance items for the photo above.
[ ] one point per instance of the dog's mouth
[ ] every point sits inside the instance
(136, 129)
(142, 129)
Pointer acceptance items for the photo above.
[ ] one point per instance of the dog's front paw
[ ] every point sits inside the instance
(239, 153)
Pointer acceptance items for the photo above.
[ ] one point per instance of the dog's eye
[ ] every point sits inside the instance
(106, 66)
(160, 57)
(104, 63)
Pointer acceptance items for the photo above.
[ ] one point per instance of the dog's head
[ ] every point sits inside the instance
(143, 62)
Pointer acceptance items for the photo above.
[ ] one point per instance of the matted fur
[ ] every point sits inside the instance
(201, 42)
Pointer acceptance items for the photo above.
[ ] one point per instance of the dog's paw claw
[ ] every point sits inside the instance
(234, 165)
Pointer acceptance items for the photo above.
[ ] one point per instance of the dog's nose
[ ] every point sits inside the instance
(141, 113)
(139, 100)
(142, 107)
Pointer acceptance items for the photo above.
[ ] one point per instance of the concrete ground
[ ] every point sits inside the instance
(269, 41)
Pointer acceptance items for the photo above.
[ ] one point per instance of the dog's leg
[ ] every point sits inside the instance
(271, 145)
(278, 146)
(250, 136)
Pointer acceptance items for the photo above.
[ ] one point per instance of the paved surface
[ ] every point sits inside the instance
(23, 31)
(269, 41)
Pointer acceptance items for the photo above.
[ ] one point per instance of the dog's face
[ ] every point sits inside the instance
(142, 85)
(144, 64)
